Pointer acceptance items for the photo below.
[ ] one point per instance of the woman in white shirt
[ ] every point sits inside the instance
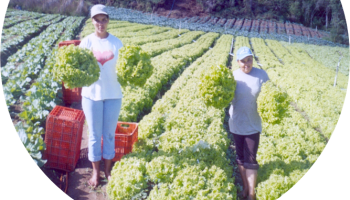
(102, 100)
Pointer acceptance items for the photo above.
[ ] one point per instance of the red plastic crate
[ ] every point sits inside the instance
(126, 134)
(70, 95)
(69, 42)
(64, 130)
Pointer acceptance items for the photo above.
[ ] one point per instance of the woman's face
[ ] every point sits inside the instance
(100, 23)
(246, 64)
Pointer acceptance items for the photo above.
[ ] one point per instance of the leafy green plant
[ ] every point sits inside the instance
(217, 86)
(133, 66)
(76, 67)
(272, 103)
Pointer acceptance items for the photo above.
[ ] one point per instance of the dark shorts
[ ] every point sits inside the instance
(246, 149)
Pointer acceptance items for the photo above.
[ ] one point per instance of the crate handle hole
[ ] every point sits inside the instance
(125, 125)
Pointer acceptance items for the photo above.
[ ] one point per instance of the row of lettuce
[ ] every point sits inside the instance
(309, 83)
(181, 151)
(27, 80)
(289, 148)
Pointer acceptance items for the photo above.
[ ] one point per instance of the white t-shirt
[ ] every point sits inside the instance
(106, 52)
(244, 116)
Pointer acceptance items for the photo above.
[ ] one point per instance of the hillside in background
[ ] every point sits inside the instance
(324, 15)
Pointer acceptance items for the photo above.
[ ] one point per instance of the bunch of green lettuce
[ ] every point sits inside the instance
(217, 86)
(133, 66)
(272, 103)
(76, 67)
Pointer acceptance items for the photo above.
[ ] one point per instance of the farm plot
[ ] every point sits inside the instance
(16, 36)
(289, 28)
(264, 27)
(222, 22)
(288, 149)
(10, 21)
(272, 27)
(321, 102)
(230, 23)
(167, 66)
(281, 29)
(183, 142)
(328, 56)
(238, 24)
(192, 152)
(27, 97)
(232, 26)
(256, 25)
(297, 29)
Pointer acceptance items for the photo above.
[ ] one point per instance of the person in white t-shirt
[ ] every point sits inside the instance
(102, 100)
(245, 122)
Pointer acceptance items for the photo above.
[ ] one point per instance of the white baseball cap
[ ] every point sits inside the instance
(243, 52)
(98, 9)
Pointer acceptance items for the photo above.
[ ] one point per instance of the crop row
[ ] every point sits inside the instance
(326, 74)
(328, 56)
(19, 76)
(14, 37)
(10, 21)
(156, 48)
(230, 27)
(182, 144)
(287, 149)
(42, 97)
(89, 27)
(16, 17)
(166, 65)
(321, 101)
(127, 30)
(140, 40)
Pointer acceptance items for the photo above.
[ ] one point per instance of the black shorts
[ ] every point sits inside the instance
(246, 149)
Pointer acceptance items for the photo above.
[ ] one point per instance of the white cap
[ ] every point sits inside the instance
(98, 9)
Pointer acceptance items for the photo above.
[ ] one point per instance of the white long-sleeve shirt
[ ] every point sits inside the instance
(106, 52)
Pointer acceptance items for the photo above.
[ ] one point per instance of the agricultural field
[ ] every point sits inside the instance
(184, 149)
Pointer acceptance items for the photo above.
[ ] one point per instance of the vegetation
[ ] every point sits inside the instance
(63, 7)
(324, 14)
(183, 144)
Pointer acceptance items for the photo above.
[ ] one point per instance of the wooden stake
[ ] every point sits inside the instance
(336, 72)
(289, 39)
(231, 46)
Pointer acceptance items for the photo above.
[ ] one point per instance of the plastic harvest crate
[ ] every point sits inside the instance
(64, 129)
(126, 135)
(70, 95)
